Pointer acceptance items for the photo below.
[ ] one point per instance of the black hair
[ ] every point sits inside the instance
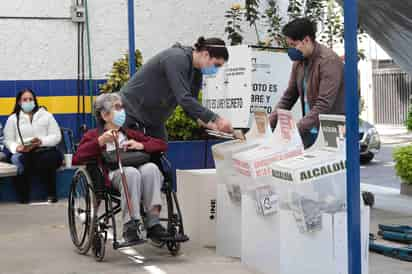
(299, 28)
(214, 46)
(17, 106)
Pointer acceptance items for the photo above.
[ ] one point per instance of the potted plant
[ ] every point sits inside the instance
(403, 167)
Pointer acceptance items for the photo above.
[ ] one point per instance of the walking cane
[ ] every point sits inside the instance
(123, 176)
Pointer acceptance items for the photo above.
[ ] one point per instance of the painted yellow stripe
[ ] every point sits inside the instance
(54, 104)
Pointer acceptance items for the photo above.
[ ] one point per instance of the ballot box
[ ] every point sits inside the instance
(307, 233)
(229, 187)
(197, 199)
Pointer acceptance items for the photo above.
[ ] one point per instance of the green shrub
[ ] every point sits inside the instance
(119, 74)
(408, 122)
(179, 125)
(403, 163)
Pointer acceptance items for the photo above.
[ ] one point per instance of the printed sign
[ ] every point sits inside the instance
(270, 76)
(253, 79)
(228, 92)
(266, 201)
(333, 128)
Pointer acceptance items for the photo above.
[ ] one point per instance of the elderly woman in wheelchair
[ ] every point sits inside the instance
(143, 182)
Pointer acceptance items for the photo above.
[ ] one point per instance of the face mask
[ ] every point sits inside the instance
(295, 54)
(119, 117)
(210, 70)
(27, 106)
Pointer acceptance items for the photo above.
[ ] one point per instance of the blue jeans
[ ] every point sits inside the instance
(17, 160)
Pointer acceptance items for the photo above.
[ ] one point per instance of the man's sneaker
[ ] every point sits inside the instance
(157, 232)
(132, 232)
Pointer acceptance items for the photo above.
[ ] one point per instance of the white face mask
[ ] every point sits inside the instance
(28, 106)
(119, 117)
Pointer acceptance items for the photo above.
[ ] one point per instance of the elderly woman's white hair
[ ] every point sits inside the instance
(104, 103)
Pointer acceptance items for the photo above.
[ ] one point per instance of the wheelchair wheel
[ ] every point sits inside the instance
(82, 211)
(173, 247)
(99, 246)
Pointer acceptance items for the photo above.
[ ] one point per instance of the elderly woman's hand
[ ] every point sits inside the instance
(133, 145)
(106, 137)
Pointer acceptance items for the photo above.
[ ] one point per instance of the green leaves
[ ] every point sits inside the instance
(181, 127)
(408, 121)
(252, 11)
(233, 24)
(403, 163)
(274, 23)
(119, 74)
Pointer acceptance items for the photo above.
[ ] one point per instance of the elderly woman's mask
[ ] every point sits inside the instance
(119, 117)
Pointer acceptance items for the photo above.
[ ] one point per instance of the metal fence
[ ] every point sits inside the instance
(391, 96)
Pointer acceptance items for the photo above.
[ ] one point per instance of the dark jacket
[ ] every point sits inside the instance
(165, 81)
(325, 88)
(89, 148)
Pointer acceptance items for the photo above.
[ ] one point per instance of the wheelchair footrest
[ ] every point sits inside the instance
(180, 238)
(117, 245)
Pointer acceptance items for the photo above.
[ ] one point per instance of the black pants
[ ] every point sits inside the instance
(43, 163)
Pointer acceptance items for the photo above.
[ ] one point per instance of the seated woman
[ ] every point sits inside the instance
(143, 183)
(31, 135)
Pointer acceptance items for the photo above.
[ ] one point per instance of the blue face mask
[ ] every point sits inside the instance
(27, 106)
(210, 70)
(119, 117)
(295, 54)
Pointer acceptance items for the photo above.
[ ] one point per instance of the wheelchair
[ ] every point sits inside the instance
(89, 229)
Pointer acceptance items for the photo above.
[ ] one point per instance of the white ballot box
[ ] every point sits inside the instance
(197, 198)
(310, 229)
(229, 189)
(260, 202)
(254, 164)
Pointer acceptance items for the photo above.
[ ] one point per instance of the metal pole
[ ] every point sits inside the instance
(352, 135)
(132, 57)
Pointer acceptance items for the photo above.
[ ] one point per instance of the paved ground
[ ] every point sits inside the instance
(381, 170)
(34, 239)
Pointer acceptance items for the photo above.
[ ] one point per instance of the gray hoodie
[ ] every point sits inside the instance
(165, 81)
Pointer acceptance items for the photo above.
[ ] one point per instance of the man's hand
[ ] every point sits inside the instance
(132, 145)
(273, 119)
